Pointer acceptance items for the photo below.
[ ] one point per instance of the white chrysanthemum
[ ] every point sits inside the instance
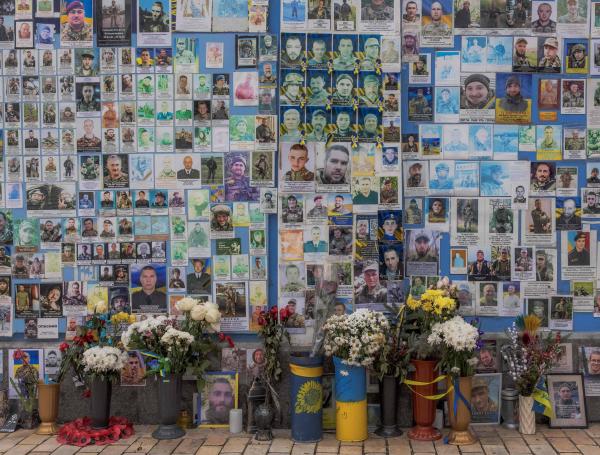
(173, 336)
(101, 360)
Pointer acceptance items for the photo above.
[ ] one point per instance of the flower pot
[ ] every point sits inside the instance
(306, 397)
(388, 398)
(526, 415)
(350, 402)
(423, 408)
(263, 417)
(169, 403)
(101, 391)
(48, 398)
(460, 420)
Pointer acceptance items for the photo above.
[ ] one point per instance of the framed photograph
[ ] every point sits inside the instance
(485, 398)
(565, 360)
(567, 397)
(246, 51)
(218, 396)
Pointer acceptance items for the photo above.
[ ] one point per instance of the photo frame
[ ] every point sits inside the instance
(567, 398)
(246, 51)
(219, 394)
(485, 398)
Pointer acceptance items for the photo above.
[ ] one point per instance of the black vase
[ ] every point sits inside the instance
(263, 417)
(388, 396)
(169, 400)
(101, 391)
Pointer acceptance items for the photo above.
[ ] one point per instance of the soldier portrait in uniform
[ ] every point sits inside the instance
(292, 50)
(436, 22)
(148, 288)
(237, 181)
(548, 90)
(219, 394)
(377, 10)
(76, 23)
(548, 55)
(300, 163)
(115, 171)
(513, 102)
(578, 247)
(335, 168)
(369, 289)
(423, 246)
(221, 218)
(577, 57)
(88, 139)
(292, 208)
(485, 398)
(88, 97)
(573, 96)
(154, 16)
(542, 17)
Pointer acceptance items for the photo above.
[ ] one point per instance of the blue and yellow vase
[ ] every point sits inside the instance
(306, 397)
(350, 402)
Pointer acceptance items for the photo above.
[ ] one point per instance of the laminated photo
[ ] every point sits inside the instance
(154, 23)
(513, 101)
(478, 97)
(379, 16)
(574, 146)
(345, 14)
(293, 14)
(447, 67)
(420, 70)
(437, 23)
(193, 16)
(573, 96)
(488, 295)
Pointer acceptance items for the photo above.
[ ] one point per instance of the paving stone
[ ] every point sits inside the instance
(92, 449)
(446, 449)
(471, 448)
(208, 450)
(579, 437)
(351, 450)
(235, 445)
(66, 450)
(35, 439)
(142, 445)
(165, 447)
(495, 450)
(22, 449)
(542, 449)
(562, 444)
(516, 446)
(256, 449)
(8, 443)
(114, 450)
(584, 449)
(215, 440)
(304, 449)
(374, 446)
(422, 446)
(49, 445)
(490, 440)
(328, 445)
(189, 445)
(281, 445)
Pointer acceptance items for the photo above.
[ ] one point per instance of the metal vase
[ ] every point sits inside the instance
(263, 416)
(48, 399)
(101, 390)
(169, 400)
(388, 396)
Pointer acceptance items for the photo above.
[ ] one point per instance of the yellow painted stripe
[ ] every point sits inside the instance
(306, 372)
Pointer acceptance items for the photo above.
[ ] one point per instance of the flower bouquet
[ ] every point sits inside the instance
(457, 342)
(435, 305)
(103, 362)
(355, 341)
(529, 355)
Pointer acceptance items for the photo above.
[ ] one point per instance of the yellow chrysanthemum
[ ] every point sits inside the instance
(427, 305)
(413, 303)
(309, 398)
(432, 294)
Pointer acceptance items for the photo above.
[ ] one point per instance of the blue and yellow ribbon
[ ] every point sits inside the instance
(541, 399)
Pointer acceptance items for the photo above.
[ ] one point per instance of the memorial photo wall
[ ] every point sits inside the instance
(137, 168)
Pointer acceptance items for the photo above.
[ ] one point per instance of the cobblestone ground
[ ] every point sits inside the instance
(493, 440)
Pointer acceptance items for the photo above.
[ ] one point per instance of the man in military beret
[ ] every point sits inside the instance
(579, 255)
(371, 291)
(550, 62)
(76, 29)
(292, 213)
(422, 252)
(389, 227)
(319, 210)
(221, 219)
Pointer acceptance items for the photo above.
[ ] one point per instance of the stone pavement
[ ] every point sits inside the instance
(494, 440)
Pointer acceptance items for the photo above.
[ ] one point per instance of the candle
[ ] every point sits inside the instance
(235, 421)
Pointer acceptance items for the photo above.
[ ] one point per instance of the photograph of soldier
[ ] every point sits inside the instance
(568, 219)
(548, 55)
(477, 92)
(219, 396)
(543, 173)
(437, 26)
(544, 266)
(292, 88)
(237, 181)
(592, 206)
(541, 222)
(480, 268)
(485, 398)
(221, 218)
(420, 103)
(391, 262)
(343, 89)
(198, 280)
(566, 400)
(153, 17)
(345, 119)
(292, 210)
(340, 240)
(292, 50)
(150, 296)
(573, 96)
(513, 104)
(578, 249)
(299, 157)
(318, 125)
(289, 127)
(292, 279)
(76, 26)
(577, 56)
(88, 97)
(548, 90)
(336, 165)
(368, 289)
(423, 247)
(542, 21)
(115, 171)
(500, 266)
(211, 167)
(344, 47)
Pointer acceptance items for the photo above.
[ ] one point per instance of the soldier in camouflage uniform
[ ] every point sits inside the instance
(371, 291)
(575, 142)
(294, 320)
(550, 62)
(220, 89)
(76, 29)
(524, 263)
(574, 97)
(221, 220)
(436, 27)
(292, 213)
(378, 11)
(577, 57)
(116, 177)
(86, 69)
(520, 60)
(298, 157)
(338, 245)
(319, 210)
(237, 184)
(88, 103)
(422, 249)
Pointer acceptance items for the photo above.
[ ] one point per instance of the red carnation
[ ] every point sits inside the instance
(63, 347)
(221, 336)
(261, 321)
